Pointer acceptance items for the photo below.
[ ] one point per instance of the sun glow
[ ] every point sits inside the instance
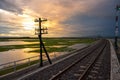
(27, 22)
(50, 24)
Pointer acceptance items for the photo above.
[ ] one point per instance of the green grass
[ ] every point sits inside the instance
(21, 66)
(61, 49)
(4, 40)
(48, 42)
(9, 47)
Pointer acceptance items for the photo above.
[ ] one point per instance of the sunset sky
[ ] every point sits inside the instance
(66, 18)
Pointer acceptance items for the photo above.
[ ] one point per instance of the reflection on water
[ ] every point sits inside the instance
(15, 43)
(15, 54)
(18, 54)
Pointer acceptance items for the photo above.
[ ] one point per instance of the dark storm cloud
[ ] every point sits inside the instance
(5, 29)
(10, 6)
(99, 20)
(74, 17)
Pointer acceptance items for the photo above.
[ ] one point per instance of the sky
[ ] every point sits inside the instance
(65, 18)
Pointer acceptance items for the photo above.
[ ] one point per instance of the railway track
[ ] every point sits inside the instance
(86, 64)
(85, 68)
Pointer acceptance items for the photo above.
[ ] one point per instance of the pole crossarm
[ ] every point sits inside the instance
(43, 31)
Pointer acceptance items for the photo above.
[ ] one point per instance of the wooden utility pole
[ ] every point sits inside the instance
(39, 32)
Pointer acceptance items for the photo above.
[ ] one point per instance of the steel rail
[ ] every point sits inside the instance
(93, 62)
(54, 77)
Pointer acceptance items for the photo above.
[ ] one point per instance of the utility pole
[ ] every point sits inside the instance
(116, 27)
(39, 32)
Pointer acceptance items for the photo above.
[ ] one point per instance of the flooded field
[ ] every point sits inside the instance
(15, 54)
(3, 43)
(18, 54)
(13, 50)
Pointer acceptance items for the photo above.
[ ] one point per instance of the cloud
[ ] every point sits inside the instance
(98, 19)
(6, 30)
(65, 17)
(10, 6)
